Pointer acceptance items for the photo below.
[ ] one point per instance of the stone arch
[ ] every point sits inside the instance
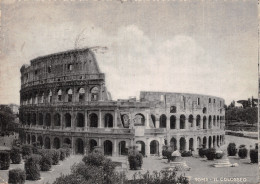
(154, 147)
(50, 96)
(80, 120)
(108, 147)
(92, 144)
(190, 120)
(153, 120)
(210, 141)
(142, 147)
(122, 148)
(81, 92)
(56, 143)
(198, 121)
(47, 143)
(173, 109)
(67, 120)
(79, 146)
(204, 122)
(182, 121)
(59, 95)
(57, 119)
(40, 119)
(218, 141)
(173, 144)
(182, 144)
(191, 144)
(40, 140)
(214, 141)
(69, 95)
(139, 120)
(204, 110)
(204, 143)
(48, 119)
(108, 120)
(199, 145)
(218, 121)
(172, 122)
(67, 141)
(210, 122)
(33, 138)
(214, 120)
(94, 93)
(163, 120)
(93, 118)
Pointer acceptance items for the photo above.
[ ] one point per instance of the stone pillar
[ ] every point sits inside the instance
(186, 124)
(207, 123)
(100, 142)
(99, 119)
(195, 143)
(147, 122)
(168, 123)
(157, 123)
(52, 120)
(161, 142)
(100, 93)
(201, 122)
(86, 120)
(73, 121)
(115, 152)
(177, 123)
(177, 143)
(115, 120)
(51, 142)
(72, 145)
(194, 124)
(187, 144)
(147, 147)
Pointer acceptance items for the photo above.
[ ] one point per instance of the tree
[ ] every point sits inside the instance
(7, 118)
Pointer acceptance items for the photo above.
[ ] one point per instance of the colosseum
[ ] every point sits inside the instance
(64, 99)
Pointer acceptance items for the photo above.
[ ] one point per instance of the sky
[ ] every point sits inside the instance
(203, 47)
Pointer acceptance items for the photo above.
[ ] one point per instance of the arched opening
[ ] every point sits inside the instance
(214, 120)
(172, 122)
(80, 120)
(204, 110)
(218, 141)
(48, 119)
(198, 121)
(191, 146)
(94, 94)
(173, 144)
(67, 141)
(108, 148)
(125, 120)
(59, 95)
(204, 142)
(67, 120)
(28, 119)
(210, 122)
(139, 120)
(182, 122)
(92, 144)
(122, 148)
(154, 147)
(56, 143)
(79, 146)
(214, 141)
(47, 143)
(57, 120)
(153, 120)
(218, 121)
(190, 121)
(182, 144)
(50, 97)
(40, 119)
(39, 139)
(28, 139)
(204, 122)
(199, 145)
(173, 109)
(81, 95)
(34, 119)
(93, 120)
(163, 120)
(108, 121)
(33, 138)
(69, 95)
(210, 141)
(142, 144)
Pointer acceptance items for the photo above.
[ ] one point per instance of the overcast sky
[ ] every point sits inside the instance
(194, 46)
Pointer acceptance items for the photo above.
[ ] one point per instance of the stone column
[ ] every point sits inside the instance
(147, 147)
(99, 119)
(168, 123)
(157, 123)
(115, 119)
(51, 142)
(207, 123)
(195, 143)
(115, 153)
(72, 145)
(147, 122)
(86, 120)
(177, 123)
(100, 93)
(73, 121)
(186, 144)
(194, 124)
(160, 146)
(52, 120)
(100, 142)
(186, 124)
(177, 143)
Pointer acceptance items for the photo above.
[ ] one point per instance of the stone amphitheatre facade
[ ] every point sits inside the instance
(64, 99)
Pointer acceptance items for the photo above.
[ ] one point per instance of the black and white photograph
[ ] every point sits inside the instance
(129, 91)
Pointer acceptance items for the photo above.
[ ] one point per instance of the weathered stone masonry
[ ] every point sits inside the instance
(64, 99)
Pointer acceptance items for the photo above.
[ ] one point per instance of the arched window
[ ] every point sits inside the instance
(173, 109)
(108, 120)
(69, 94)
(67, 120)
(204, 110)
(182, 122)
(48, 119)
(34, 119)
(163, 119)
(94, 93)
(80, 120)
(198, 121)
(210, 122)
(40, 119)
(59, 95)
(153, 120)
(81, 95)
(172, 122)
(191, 120)
(204, 122)
(139, 120)
(57, 119)
(93, 120)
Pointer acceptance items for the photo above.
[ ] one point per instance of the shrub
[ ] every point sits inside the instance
(254, 155)
(71, 179)
(62, 153)
(232, 151)
(186, 154)
(242, 152)
(219, 155)
(4, 160)
(96, 159)
(16, 176)
(35, 147)
(15, 155)
(27, 150)
(135, 160)
(202, 152)
(32, 167)
(55, 156)
(46, 160)
(210, 153)
(67, 148)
